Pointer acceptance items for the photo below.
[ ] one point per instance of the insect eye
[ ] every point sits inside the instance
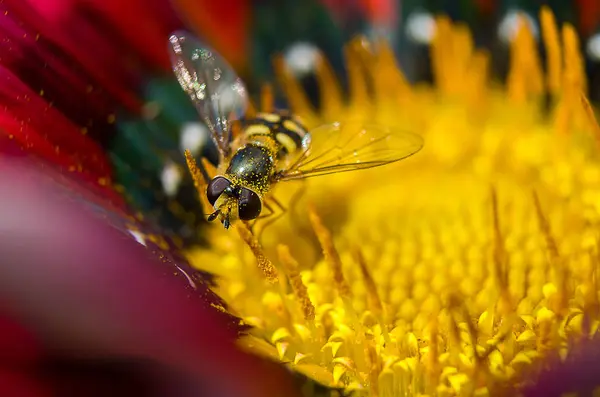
(249, 205)
(216, 187)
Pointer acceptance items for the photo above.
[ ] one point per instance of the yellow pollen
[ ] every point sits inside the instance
(331, 94)
(591, 117)
(558, 305)
(264, 264)
(266, 98)
(417, 278)
(291, 267)
(552, 43)
(194, 170)
(236, 129)
(292, 89)
(330, 253)
(369, 282)
(499, 260)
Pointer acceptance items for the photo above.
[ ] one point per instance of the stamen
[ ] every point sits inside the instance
(369, 282)
(332, 257)
(291, 267)
(591, 306)
(198, 178)
(479, 75)
(266, 98)
(329, 89)
(462, 51)
(433, 368)
(573, 80)
(574, 63)
(560, 270)
(440, 53)
(211, 170)
(330, 253)
(553, 50)
(264, 264)
(374, 298)
(374, 369)
(591, 117)
(500, 260)
(389, 81)
(251, 110)
(525, 75)
(296, 96)
(359, 96)
(236, 129)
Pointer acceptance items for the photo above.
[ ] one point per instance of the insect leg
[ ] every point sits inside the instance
(295, 199)
(277, 210)
(262, 215)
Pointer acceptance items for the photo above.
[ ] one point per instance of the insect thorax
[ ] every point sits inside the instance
(264, 142)
(252, 166)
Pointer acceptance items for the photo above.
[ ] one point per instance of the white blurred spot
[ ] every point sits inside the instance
(193, 137)
(509, 26)
(420, 27)
(593, 47)
(232, 97)
(170, 178)
(302, 58)
(139, 237)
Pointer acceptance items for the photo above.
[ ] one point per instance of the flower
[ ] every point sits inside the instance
(95, 300)
(467, 268)
(96, 307)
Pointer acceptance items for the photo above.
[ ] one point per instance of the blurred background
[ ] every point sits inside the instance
(297, 27)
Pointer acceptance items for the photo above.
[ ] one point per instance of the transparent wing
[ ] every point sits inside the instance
(351, 146)
(213, 86)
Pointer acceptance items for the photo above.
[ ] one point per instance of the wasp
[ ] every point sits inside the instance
(269, 148)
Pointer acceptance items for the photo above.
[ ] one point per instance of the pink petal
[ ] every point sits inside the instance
(76, 277)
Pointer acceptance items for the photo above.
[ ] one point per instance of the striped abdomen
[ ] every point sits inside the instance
(287, 133)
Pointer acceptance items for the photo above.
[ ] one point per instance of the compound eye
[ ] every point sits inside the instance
(249, 205)
(215, 188)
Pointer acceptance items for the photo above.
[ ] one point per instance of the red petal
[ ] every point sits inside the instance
(86, 288)
(143, 25)
(20, 384)
(589, 15)
(223, 23)
(85, 45)
(39, 127)
(17, 346)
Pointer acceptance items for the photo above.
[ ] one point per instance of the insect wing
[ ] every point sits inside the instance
(351, 146)
(219, 94)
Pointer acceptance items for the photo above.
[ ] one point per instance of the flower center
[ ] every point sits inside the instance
(458, 270)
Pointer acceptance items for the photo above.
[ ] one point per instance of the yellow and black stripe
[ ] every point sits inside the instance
(286, 130)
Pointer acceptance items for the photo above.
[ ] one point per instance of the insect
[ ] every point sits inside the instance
(269, 148)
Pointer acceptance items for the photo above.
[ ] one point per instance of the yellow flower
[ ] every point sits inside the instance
(456, 271)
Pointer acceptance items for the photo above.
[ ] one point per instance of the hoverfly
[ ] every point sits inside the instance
(271, 147)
